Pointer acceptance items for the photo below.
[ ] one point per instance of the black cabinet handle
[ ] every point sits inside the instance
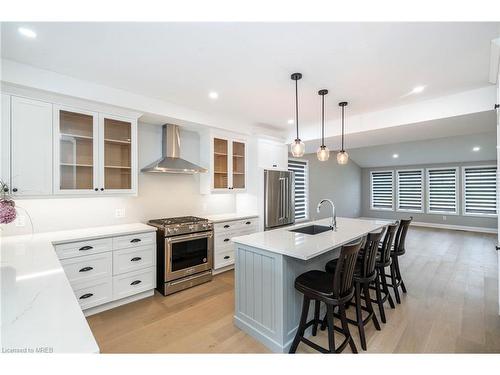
(86, 269)
(85, 248)
(102, 189)
(226, 239)
(226, 226)
(227, 257)
(135, 282)
(86, 296)
(135, 259)
(14, 190)
(135, 240)
(96, 189)
(248, 223)
(5, 189)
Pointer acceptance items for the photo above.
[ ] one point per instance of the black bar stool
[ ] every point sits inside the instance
(335, 290)
(384, 260)
(364, 274)
(398, 250)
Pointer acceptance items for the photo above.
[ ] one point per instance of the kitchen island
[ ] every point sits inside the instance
(267, 306)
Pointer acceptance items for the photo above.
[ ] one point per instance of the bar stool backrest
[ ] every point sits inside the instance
(399, 243)
(344, 272)
(385, 251)
(370, 253)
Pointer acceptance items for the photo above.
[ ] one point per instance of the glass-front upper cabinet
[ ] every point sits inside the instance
(221, 172)
(95, 153)
(75, 151)
(238, 165)
(229, 164)
(118, 149)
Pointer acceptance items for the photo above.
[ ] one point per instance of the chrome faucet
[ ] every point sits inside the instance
(333, 222)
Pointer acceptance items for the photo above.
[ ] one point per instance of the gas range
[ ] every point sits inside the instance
(184, 256)
(181, 225)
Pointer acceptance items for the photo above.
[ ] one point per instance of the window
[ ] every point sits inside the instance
(382, 190)
(442, 191)
(480, 190)
(409, 190)
(300, 167)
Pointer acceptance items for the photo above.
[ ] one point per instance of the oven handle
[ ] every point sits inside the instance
(191, 236)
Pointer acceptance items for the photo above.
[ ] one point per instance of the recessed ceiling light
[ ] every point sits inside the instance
(418, 89)
(213, 95)
(27, 32)
(395, 156)
(476, 148)
(290, 121)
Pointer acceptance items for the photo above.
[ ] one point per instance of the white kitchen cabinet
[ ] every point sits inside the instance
(31, 147)
(95, 153)
(5, 140)
(227, 157)
(272, 154)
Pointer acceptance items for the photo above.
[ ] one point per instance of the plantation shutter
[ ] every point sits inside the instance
(442, 190)
(410, 192)
(382, 190)
(301, 186)
(480, 192)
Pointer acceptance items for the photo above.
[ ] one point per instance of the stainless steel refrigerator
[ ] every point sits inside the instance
(279, 207)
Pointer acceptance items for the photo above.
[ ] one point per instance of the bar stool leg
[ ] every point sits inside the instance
(331, 329)
(359, 315)
(395, 283)
(385, 288)
(303, 320)
(369, 306)
(345, 328)
(378, 293)
(398, 274)
(316, 317)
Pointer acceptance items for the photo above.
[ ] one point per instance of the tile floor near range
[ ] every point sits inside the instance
(451, 307)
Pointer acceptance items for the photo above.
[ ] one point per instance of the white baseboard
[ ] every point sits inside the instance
(222, 269)
(448, 226)
(120, 302)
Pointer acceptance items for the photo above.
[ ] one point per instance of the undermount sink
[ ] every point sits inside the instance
(312, 229)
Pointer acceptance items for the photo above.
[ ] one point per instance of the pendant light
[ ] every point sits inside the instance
(297, 146)
(323, 152)
(342, 156)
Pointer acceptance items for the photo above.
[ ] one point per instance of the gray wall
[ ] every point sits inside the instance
(340, 183)
(486, 222)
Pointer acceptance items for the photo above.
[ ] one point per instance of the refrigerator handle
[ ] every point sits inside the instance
(287, 199)
(282, 198)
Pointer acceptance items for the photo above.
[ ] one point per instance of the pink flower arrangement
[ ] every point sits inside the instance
(7, 206)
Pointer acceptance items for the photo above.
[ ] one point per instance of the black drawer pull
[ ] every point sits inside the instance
(135, 259)
(86, 296)
(226, 226)
(226, 239)
(227, 257)
(86, 269)
(135, 282)
(248, 223)
(135, 240)
(85, 248)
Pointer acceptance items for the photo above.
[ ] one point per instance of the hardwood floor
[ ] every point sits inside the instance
(451, 307)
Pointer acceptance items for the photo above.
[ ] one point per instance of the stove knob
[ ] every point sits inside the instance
(176, 229)
(205, 226)
(191, 227)
(168, 230)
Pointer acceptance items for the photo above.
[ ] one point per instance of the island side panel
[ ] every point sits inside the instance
(259, 295)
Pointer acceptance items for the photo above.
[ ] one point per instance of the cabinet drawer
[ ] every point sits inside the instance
(133, 259)
(223, 241)
(133, 282)
(75, 249)
(230, 226)
(223, 259)
(134, 240)
(93, 293)
(87, 267)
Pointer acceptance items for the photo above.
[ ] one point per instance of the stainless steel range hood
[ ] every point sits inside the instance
(171, 161)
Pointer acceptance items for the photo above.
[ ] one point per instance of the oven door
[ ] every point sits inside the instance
(188, 254)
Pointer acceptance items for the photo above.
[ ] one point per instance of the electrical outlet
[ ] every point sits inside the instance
(444, 218)
(20, 221)
(120, 212)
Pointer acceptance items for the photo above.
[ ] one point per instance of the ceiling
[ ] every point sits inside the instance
(372, 65)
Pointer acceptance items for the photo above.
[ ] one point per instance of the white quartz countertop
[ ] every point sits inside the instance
(305, 246)
(38, 306)
(229, 217)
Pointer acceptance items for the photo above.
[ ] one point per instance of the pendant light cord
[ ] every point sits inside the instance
(297, 107)
(322, 120)
(342, 129)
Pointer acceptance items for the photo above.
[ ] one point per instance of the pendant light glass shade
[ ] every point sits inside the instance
(298, 147)
(342, 157)
(323, 153)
